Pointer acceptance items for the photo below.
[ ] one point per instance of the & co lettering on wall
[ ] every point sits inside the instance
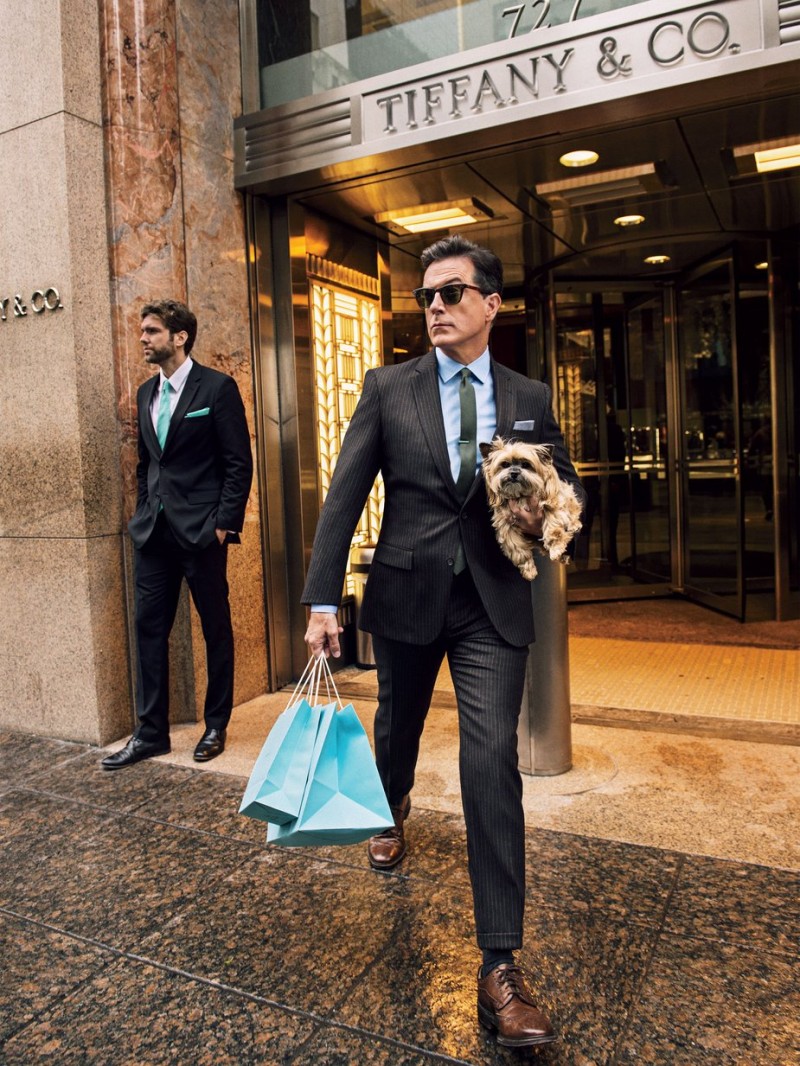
(41, 301)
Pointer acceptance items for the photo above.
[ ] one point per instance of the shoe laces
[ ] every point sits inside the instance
(512, 980)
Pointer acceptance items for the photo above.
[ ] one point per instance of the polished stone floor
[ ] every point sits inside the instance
(142, 921)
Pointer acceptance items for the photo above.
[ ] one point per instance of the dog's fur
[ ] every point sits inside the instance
(514, 470)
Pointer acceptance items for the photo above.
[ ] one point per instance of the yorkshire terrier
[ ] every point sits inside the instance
(514, 470)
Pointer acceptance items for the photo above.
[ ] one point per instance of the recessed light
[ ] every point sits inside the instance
(657, 260)
(763, 265)
(435, 216)
(766, 157)
(629, 220)
(579, 158)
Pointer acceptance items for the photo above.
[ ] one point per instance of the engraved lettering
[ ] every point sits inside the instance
(20, 310)
(608, 65)
(487, 85)
(3, 306)
(457, 94)
(388, 103)
(725, 32)
(656, 56)
(411, 118)
(37, 302)
(52, 294)
(559, 68)
(514, 75)
(431, 100)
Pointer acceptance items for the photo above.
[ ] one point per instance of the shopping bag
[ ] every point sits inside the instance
(275, 789)
(344, 801)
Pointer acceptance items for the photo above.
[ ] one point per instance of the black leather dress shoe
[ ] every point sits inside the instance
(210, 745)
(134, 751)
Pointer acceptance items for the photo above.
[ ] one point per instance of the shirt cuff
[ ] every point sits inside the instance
(324, 608)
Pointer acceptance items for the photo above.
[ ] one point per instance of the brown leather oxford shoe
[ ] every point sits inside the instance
(388, 848)
(505, 1004)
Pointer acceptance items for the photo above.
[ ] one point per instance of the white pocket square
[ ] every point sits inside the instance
(525, 424)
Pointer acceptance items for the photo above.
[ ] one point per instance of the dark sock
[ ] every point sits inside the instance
(494, 957)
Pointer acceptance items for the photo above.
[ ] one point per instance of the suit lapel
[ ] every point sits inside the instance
(146, 428)
(504, 399)
(425, 386)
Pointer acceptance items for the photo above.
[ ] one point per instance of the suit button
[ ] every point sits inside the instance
(450, 562)
(463, 517)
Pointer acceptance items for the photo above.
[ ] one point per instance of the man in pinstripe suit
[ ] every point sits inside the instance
(439, 585)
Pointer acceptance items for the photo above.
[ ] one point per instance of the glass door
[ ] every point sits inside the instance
(610, 379)
(709, 446)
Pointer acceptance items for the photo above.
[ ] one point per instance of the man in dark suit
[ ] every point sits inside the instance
(439, 585)
(194, 473)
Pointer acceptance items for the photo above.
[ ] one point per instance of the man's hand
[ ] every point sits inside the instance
(322, 635)
(221, 535)
(528, 516)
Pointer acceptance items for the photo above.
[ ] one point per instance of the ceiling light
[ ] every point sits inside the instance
(427, 217)
(749, 159)
(657, 260)
(763, 265)
(578, 158)
(629, 220)
(603, 185)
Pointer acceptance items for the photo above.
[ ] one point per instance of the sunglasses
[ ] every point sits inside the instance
(451, 294)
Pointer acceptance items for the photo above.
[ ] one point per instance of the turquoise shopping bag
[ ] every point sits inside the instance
(278, 778)
(344, 801)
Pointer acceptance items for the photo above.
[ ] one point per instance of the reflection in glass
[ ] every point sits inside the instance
(310, 46)
(612, 408)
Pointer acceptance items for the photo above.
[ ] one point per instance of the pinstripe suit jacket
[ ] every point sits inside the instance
(398, 429)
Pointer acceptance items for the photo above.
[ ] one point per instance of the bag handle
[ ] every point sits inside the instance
(308, 685)
(329, 682)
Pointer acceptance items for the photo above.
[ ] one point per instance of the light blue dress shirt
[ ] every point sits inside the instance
(449, 384)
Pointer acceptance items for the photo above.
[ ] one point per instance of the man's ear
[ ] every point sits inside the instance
(493, 301)
(180, 338)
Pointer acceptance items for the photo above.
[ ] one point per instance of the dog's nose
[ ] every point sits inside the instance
(513, 475)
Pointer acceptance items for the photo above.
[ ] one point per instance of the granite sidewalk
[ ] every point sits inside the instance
(143, 921)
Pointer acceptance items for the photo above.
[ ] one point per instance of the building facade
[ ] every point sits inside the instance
(280, 164)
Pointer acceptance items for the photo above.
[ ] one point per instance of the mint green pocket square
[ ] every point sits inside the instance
(198, 414)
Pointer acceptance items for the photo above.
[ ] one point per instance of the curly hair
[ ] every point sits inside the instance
(176, 317)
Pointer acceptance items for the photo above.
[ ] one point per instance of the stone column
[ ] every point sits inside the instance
(64, 663)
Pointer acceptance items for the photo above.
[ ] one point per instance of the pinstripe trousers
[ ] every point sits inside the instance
(488, 676)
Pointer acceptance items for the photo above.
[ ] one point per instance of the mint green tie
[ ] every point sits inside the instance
(468, 448)
(164, 414)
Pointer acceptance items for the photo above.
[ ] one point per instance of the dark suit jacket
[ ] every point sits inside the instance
(398, 428)
(203, 475)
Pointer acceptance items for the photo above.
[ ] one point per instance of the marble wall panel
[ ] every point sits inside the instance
(64, 670)
(172, 92)
(210, 78)
(140, 61)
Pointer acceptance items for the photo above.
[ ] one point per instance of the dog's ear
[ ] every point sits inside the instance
(485, 449)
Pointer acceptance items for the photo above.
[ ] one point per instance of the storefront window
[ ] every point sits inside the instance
(308, 46)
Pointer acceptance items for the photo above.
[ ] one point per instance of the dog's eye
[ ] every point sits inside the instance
(525, 463)
(505, 464)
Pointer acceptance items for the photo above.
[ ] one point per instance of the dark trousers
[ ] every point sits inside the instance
(160, 567)
(488, 676)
